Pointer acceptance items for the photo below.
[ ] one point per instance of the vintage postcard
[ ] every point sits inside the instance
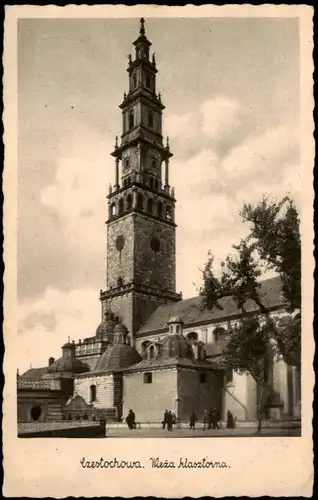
(158, 248)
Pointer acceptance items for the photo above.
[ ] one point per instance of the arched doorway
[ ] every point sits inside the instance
(36, 412)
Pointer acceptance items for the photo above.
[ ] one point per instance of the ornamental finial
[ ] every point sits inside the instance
(167, 143)
(116, 142)
(153, 59)
(142, 26)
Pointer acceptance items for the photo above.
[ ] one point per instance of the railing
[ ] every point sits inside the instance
(25, 383)
(238, 401)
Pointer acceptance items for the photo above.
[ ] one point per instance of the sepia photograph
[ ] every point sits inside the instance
(162, 192)
(199, 191)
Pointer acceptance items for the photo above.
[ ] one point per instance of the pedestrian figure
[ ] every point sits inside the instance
(131, 419)
(174, 420)
(210, 419)
(169, 421)
(230, 420)
(215, 421)
(165, 419)
(205, 420)
(193, 420)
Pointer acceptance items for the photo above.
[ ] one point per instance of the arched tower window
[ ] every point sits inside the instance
(150, 205)
(113, 209)
(150, 118)
(92, 393)
(120, 206)
(168, 212)
(127, 163)
(148, 81)
(131, 119)
(134, 80)
(129, 202)
(151, 182)
(177, 328)
(159, 209)
(156, 184)
(140, 201)
(151, 352)
(153, 163)
(144, 346)
(192, 337)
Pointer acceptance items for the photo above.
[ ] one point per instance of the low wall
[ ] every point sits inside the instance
(63, 430)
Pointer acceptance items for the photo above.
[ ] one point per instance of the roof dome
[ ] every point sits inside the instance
(117, 356)
(106, 328)
(69, 364)
(175, 346)
(175, 319)
(120, 328)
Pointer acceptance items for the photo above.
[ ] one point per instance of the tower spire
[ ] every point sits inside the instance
(142, 26)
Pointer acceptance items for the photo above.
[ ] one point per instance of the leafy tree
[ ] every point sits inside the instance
(273, 243)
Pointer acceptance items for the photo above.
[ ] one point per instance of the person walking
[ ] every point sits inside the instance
(205, 420)
(169, 421)
(215, 421)
(165, 419)
(193, 420)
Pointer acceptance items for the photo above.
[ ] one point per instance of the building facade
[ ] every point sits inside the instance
(152, 350)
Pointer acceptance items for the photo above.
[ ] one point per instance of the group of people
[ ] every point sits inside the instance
(211, 420)
(169, 419)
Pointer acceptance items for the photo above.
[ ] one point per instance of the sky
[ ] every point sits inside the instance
(232, 97)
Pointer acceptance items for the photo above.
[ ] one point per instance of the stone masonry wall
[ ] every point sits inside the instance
(154, 268)
(197, 396)
(149, 401)
(120, 263)
(104, 390)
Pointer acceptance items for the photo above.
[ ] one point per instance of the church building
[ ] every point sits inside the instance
(152, 350)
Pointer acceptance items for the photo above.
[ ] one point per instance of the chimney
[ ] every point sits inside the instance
(51, 361)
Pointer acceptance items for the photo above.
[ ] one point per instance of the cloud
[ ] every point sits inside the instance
(45, 323)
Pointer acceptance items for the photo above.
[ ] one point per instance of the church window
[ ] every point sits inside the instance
(120, 242)
(129, 202)
(150, 118)
(148, 81)
(131, 119)
(147, 378)
(202, 378)
(140, 201)
(153, 163)
(168, 212)
(126, 164)
(151, 352)
(134, 80)
(92, 393)
(151, 182)
(156, 184)
(113, 209)
(150, 205)
(128, 181)
(177, 328)
(119, 281)
(159, 209)
(120, 206)
(155, 244)
(219, 334)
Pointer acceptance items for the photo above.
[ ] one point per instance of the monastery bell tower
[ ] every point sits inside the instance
(141, 268)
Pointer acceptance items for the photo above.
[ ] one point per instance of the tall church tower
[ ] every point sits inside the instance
(141, 247)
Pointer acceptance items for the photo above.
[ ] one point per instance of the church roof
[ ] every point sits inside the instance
(191, 313)
(68, 364)
(116, 357)
(152, 364)
(35, 373)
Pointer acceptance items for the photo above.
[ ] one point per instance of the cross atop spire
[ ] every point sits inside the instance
(142, 26)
